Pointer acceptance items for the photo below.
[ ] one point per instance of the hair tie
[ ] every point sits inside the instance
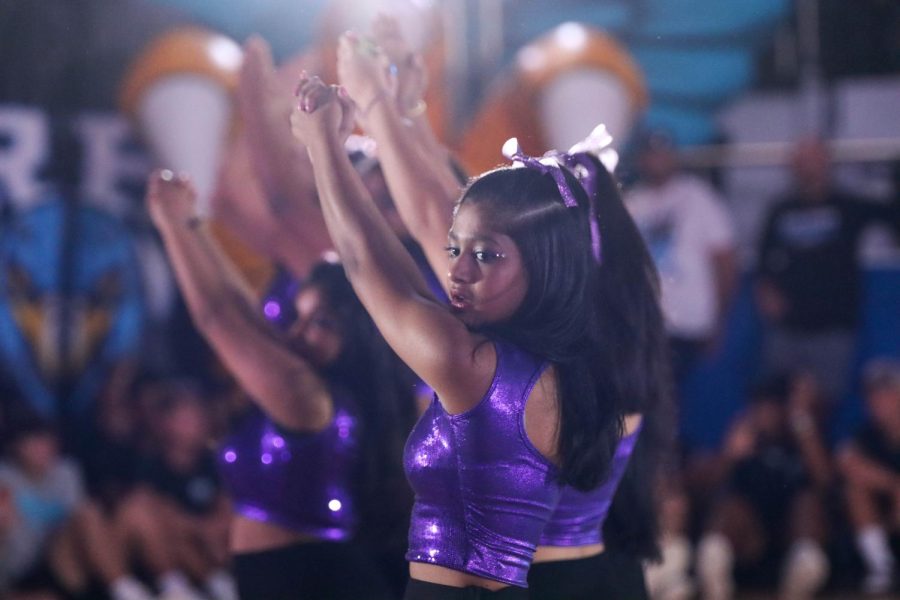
(549, 164)
(546, 165)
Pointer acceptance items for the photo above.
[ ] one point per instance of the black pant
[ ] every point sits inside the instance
(607, 575)
(423, 590)
(314, 571)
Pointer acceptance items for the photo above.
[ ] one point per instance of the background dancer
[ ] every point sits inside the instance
(311, 459)
(595, 541)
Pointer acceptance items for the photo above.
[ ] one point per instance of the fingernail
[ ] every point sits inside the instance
(166, 175)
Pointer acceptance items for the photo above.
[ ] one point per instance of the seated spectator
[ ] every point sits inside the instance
(52, 539)
(110, 455)
(177, 519)
(870, 464)
(773, 474)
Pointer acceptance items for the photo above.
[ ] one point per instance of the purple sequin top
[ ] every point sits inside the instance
(299, 481)
(483, 491)
(579, 516)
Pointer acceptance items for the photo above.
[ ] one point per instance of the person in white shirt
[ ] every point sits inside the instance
(691, 236)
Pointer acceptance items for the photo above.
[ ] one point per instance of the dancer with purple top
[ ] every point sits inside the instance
(526, 394)
(311, 461)
(595, 541)
(575, 559)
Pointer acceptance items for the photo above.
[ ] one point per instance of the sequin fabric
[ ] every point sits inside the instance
(579, 516)
(483, 491)
(300, 481)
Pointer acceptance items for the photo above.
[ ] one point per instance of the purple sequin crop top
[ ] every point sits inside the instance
(299, 481)
(579, 516)
(483, 491)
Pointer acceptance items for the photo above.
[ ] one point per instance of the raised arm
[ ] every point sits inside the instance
(410, 83)
(282, 383)
(423, 185)
(273, 195)
(433, 342)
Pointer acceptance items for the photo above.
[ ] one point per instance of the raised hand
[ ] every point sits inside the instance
(363, 71)
(265, 102)
(407, 67)
(322, 112)
(171, 199)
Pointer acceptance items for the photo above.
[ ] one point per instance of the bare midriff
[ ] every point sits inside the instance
(248, 535)
(557, 553)
(445, 576)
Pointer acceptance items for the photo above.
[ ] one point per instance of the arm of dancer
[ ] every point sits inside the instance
(273, 190)
(285, 386)
(458, 365)
(411, 79)
(424, 188)
(245, 209)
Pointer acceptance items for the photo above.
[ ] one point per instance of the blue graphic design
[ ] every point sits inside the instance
(660, 239)
(70, 303)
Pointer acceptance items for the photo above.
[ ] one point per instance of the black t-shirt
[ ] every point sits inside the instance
(770, 477)
(875, 446)
(109, 465)
(808, 251)
(196, 490)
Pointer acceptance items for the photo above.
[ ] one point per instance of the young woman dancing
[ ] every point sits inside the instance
(312, 459)
(575, 559)
(524, 393)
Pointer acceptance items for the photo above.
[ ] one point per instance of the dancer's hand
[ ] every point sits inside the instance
(171, 199)
(322, 112)
(407, 66)
(363, 72)
(265, 102)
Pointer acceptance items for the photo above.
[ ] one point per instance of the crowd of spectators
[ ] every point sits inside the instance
(778, 504)
(134, 509)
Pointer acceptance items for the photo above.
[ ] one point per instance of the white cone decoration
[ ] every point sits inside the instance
(186, 120)
(577, 100)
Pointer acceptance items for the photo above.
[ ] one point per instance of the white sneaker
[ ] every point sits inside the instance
(806, 570)
(878, 582)
(715, 560)
(222, 586)
(669, 579)
(175, 586)
(129, 588)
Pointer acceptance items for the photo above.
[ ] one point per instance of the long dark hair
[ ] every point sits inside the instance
(599, 324)
(559, 317)
(384, 390)
(634, 331)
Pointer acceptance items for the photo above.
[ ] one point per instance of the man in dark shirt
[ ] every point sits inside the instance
(809, 286)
